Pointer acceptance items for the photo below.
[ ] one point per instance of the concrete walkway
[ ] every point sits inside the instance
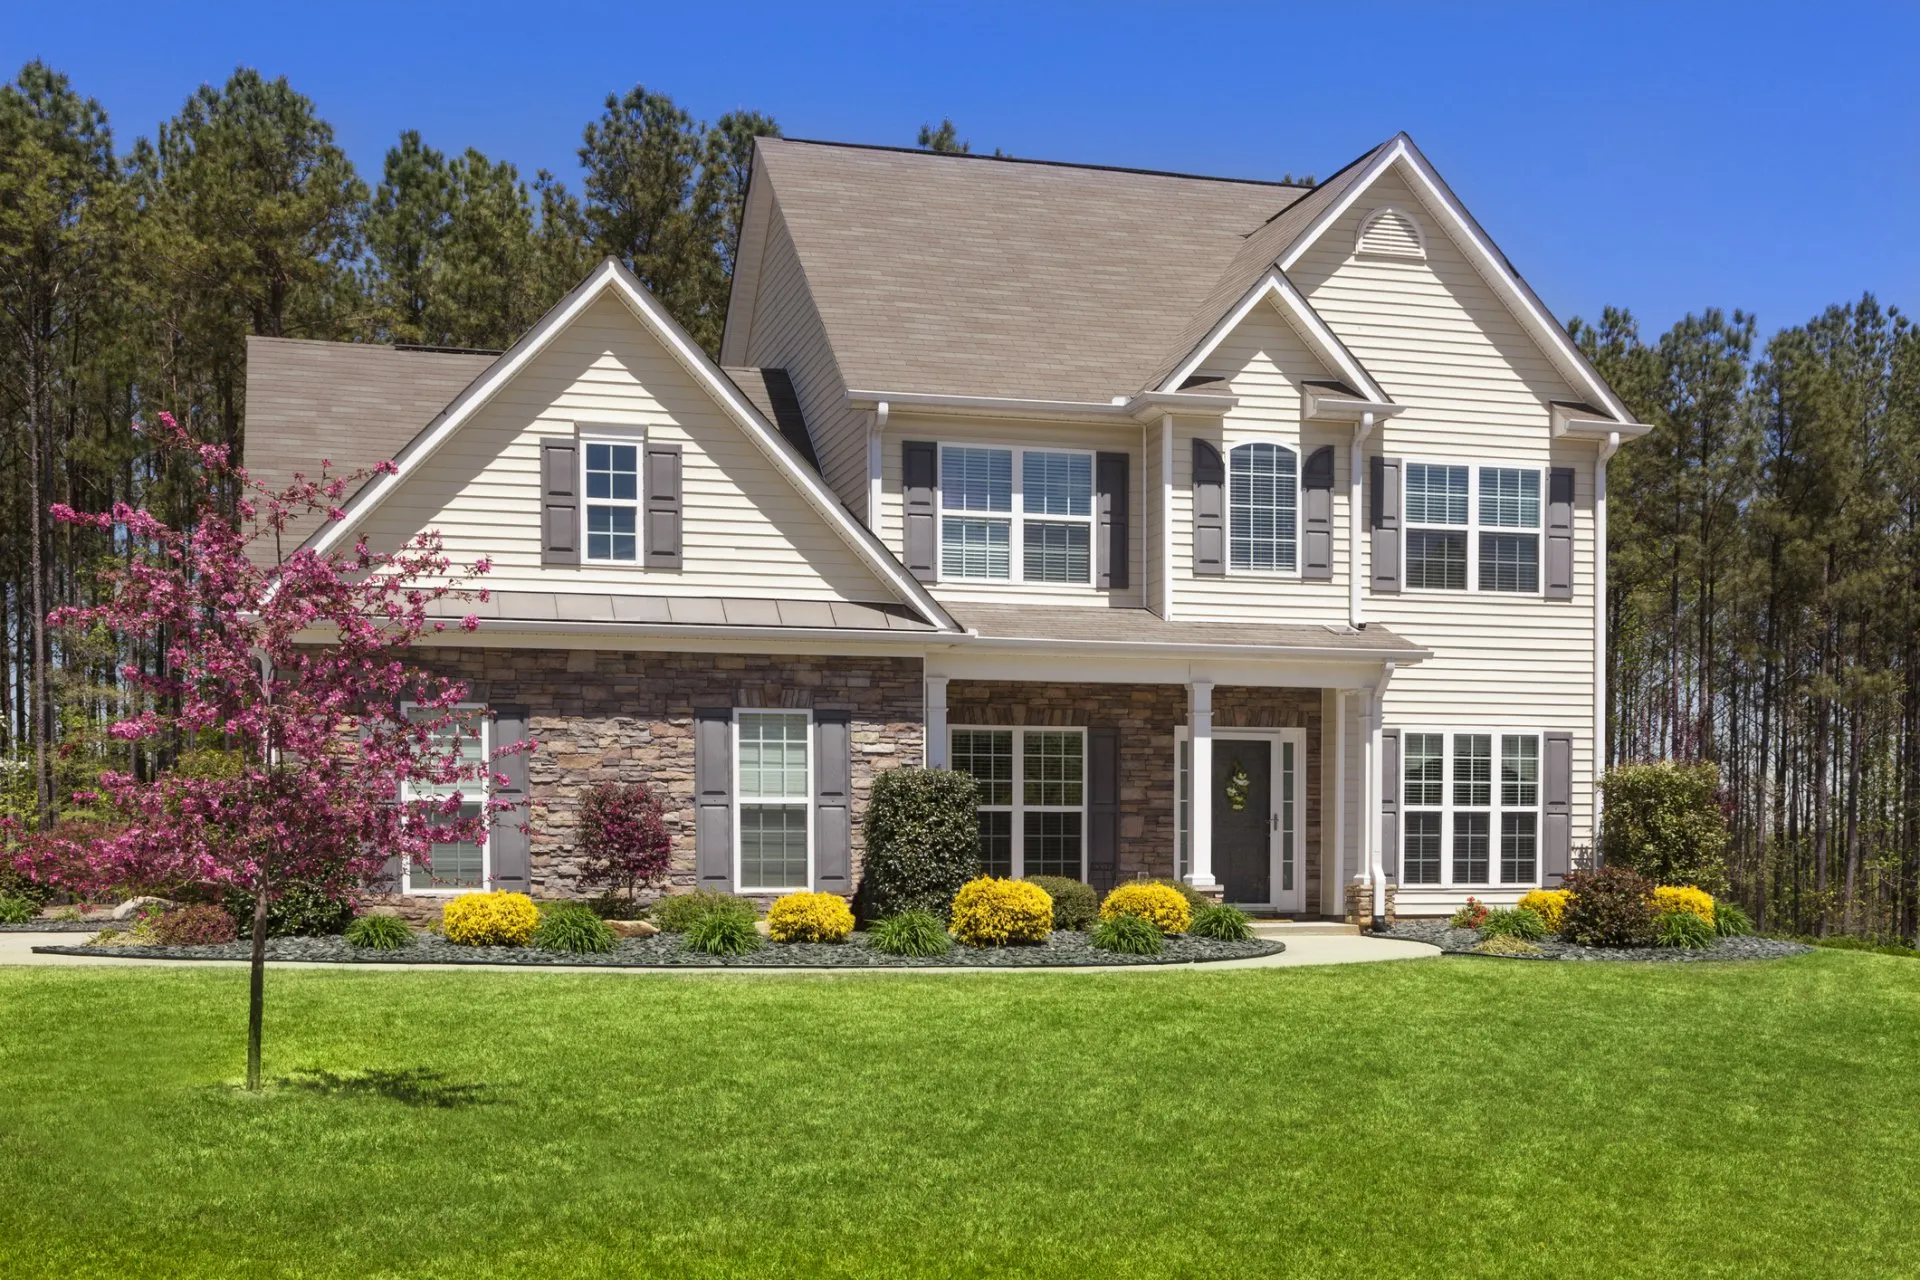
(17, 949)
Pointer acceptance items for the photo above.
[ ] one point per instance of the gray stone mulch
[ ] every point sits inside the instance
(1061, 950)
(1462, 941)
(64, 926)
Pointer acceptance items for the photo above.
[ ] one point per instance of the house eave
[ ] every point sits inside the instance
(1141, 407)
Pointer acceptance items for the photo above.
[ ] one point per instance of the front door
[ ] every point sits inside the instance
(1242, 819)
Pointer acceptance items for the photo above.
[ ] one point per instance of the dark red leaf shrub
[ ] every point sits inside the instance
(1611, 907)
(203, 925)
(624, 844)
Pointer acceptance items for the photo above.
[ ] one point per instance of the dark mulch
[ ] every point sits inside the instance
(1462, 941)
(65, 926)
(1067, 950)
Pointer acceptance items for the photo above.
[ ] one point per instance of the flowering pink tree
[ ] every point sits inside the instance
(624, 844)
(297, 665)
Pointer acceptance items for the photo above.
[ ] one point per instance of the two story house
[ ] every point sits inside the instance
(1243, 532)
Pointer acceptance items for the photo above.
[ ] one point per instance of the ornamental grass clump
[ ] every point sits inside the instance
(1506, 944)
(1730, 919)
(1669, 897)
(723, 934)
(201, 925)
(911, 933)
(810, 917)
(1129, 935)
(1221, 923)
(1519, 922)
(1075, 904)
(379, 933)
(1683, 929)
(1160, 905)
(1611, 907)
(575, 929)
(17, 911)
(679, 912)
(1549, 904)
(490, 920)
(989, 912)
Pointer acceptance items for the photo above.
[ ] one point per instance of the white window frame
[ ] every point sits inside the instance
(1016, 518)
(1017, 855)
(740, 800)
(485, 782)
(1298, 453)
(1473, 528)
(1496, 810)
(636, 439)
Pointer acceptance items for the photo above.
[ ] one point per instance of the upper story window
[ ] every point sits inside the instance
(1263, 508)
(994, 501)
(1472, 528)
(613, 502)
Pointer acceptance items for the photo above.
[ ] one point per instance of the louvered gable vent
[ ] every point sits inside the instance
(1390, 233)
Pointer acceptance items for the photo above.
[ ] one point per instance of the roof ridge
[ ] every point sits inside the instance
(1056, 164)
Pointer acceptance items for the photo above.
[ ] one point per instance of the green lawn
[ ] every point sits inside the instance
(1440, 1118)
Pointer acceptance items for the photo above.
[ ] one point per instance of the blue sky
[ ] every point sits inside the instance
(1661, 157)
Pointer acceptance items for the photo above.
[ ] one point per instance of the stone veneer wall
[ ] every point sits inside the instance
(1146, 716)
(602, 716)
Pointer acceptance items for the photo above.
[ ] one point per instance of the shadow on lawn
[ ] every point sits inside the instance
(411, 1086)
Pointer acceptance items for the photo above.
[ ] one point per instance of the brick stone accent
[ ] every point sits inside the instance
(1360, 904)
(602, 716)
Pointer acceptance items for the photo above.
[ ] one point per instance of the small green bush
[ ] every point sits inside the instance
(1611, 907)
(923, 841)
(1221, 923)
(380, 933)
(1730, 920)
(1664, 820)
(298, 910)
(16, 910)
(573, 928)
(1682, 929)
(1128, 935)
(1075, 904)
(723, 934)
(1506, 944)
(679, 912)
(911, 933)
(1520, 922)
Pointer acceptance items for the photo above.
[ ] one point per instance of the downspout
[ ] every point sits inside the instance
(1356, 614)
(1607, 450)
(1166, 516)
(874, 451)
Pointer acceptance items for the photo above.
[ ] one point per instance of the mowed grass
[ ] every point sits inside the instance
(1443, 1118)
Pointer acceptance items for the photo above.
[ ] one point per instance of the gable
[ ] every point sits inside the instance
(1265, 362)
(748, 529)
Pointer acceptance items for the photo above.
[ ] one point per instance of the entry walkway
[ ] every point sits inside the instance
(17, 948)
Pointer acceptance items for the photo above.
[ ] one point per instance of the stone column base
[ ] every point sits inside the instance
(1360, 903)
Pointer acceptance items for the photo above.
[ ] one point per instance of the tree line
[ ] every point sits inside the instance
(1765, 539)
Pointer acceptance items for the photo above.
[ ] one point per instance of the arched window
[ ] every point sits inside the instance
(1263, 508)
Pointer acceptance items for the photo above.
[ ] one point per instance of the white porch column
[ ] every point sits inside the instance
(1339, 860)
(938, 740)
(1375, 870)
(1200, 783)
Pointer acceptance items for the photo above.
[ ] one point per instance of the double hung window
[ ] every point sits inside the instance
(1263, 508)
(455, 866)
(1472, 528)
(613, 501)
(1016, 515)
(1470, 808)
(1032, 798)
(775, 790)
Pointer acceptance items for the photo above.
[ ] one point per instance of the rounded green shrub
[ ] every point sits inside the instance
(923, 841)
(679, 912)
(297, 910)
(1128, 935)
(573, 928)
(1075, 904)
(1221, 923)
(380, 933)
(1664, 821)
(723, 934)
(911, 933)
(1519, 922)
(1684, 929)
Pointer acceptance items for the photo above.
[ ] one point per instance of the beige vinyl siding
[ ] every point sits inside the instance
(785, 333)
(1120, 438)
(1148, 515)
(746, 531)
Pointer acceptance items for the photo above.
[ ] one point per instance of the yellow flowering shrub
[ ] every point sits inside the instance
(1160, 905)
(810, 917)
(989, 912)
(490, 919)
(1549, 904)
(1670, 897)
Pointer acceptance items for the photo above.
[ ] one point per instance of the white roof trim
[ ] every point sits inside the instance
(1492, 264)
(610, 275)
(1120, 410)
(1305, 320)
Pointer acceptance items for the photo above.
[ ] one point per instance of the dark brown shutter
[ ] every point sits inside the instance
(713, 797)
(392, 871)
(1209, 511)
(662, 506)
(1113, 549)
(1103, 807)
(833, 802)
(1386, 524)
(559, 502)
(1316, 503)
(509, 843)
(1560, 533)
(1556, 784)
(1390, 804)
(919, 484)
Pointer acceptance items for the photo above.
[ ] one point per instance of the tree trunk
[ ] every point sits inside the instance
(40, 713)
(257, 983)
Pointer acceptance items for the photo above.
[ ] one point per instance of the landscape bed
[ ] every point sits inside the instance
(1062, 949)
(1461, 941)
